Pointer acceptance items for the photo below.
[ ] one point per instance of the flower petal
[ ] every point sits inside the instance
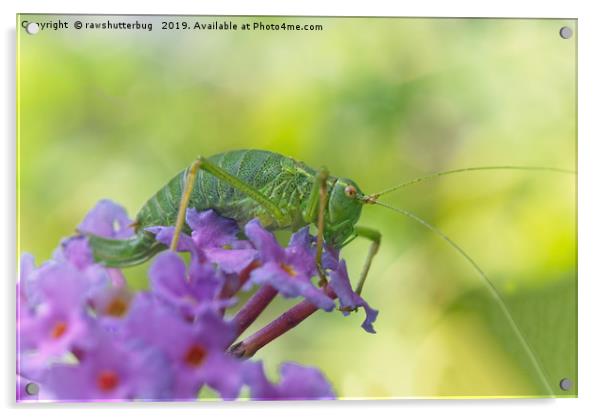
(349, 300)
(296, 383)
(224, 374)
(214, 331)
(75, 250)
(209, 230)
(291, 286)
(304, 383)
(168, 275)
(231, 261)
(264, 241)
(107, 219)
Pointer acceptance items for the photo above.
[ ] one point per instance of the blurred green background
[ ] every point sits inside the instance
(115, 114)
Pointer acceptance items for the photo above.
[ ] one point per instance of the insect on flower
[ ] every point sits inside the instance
(204, 210)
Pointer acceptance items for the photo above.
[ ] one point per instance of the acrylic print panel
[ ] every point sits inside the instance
(453, 139)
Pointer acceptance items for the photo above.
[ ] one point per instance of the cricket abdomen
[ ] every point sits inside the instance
(283, 180)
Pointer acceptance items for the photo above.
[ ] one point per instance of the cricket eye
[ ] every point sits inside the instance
(350, 191)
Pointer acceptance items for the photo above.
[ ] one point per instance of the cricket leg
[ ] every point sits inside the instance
(222, 175)
(317, 208)
(374, 236)
(190, 178)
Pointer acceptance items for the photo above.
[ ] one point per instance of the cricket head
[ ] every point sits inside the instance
(342, 212)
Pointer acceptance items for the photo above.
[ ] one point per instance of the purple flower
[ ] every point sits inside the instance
(213, 236)
(54, 324)
(192, 291)
(107, 219)
(288, 270)
(348, 299)
(46, 282)
(217, 237)
(195, 350)
(296, 383)
(111, 304)
(77, 252)
(52, 319)
(111, 370)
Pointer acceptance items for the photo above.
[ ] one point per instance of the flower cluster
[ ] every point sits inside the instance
(83, 335)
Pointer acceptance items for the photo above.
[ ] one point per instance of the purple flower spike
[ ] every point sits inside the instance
(107, 219)
(288, 270)
(82, 335)
(296, 383)
(348, 299)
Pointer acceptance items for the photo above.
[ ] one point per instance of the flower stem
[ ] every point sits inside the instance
(276, 328)
(253, 308)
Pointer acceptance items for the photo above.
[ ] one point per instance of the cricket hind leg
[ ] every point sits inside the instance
(204, 164)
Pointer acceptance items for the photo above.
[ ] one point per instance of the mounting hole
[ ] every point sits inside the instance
(32, 28)
(32, 389)
(566, 32)
(565, 384)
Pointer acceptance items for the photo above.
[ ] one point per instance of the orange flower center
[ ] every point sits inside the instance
(107, 380)
(195, 355)
(288, 269)
(117, 307)
(58, 330)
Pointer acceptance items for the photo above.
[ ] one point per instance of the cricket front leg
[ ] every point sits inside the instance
(315, 211)
(374, 236)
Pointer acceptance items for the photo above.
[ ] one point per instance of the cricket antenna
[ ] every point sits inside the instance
(370, 199)
(488, 284)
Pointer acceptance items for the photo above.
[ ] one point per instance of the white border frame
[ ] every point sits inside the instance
(590, 207)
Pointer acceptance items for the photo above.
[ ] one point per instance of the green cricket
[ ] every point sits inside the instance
(281, 192)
